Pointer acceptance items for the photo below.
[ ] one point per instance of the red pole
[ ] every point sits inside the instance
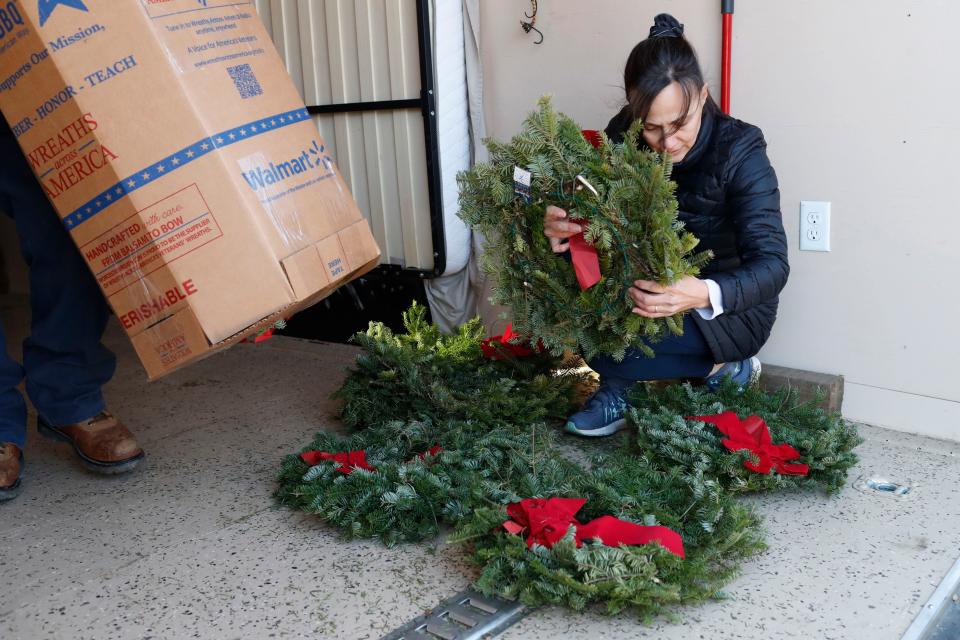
(727, 9)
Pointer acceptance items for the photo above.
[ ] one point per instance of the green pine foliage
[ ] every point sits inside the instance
(716, 531)
(415, 390)
(423, 374)
(420, 388)
(668, 440)
(631, 221)
(407, 498)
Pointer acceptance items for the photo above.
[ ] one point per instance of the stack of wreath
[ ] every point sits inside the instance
(457, 432)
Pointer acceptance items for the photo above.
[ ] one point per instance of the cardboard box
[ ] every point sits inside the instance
(179, 155)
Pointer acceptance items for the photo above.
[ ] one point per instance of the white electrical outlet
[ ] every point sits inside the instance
(814, 225)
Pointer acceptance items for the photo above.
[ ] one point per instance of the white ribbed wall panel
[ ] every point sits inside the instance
(341, 51)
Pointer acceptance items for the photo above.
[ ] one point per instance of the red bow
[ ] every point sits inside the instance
(548, 520)
(495, 347)
(432, 451)
(592, 136)
(752, 434)
(260, 337)
(348, 460)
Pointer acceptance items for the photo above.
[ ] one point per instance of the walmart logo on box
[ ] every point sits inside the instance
(264, 175)
(46, 7)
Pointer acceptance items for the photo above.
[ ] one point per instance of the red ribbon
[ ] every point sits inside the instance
(429, 453)
(348, 460)
(592, 136)
(753, 435)
(548, 520)
(586, 264)
(497, 346)
(260, 337)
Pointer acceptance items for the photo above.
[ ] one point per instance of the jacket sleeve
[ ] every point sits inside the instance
(753, 201)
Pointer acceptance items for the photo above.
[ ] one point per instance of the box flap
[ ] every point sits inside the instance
(305, 272)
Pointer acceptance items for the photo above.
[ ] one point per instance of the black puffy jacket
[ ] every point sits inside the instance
(728, 198)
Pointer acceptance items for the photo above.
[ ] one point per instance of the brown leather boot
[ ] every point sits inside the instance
(11, 468)
(103, 443)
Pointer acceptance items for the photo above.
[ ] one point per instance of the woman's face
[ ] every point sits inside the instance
(663, 129)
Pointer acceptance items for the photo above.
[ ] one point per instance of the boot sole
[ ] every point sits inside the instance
(96, 466)
(11, 492)
(606, 430)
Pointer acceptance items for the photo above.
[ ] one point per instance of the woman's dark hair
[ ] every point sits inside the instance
(664, 57)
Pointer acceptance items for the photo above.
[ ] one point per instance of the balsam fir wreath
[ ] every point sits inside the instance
(716, 533)
(411, 392)
(681, 426)
(621, 194)
(400, 481)
(423, 374)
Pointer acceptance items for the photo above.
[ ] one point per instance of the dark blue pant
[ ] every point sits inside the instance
(686, 356)
(64, 363)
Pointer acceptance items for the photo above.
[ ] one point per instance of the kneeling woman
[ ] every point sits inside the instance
(728, 198)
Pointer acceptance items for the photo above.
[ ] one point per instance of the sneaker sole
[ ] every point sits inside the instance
(96, 466)
(755, 368)
(755, 373)
(607, 430)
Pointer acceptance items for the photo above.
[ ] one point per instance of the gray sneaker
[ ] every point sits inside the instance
(603, 413)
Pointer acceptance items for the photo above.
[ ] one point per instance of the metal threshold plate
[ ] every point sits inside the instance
(940, 617)
(466, 616)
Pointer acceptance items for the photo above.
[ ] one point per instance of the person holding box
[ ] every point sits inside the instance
(64, 363)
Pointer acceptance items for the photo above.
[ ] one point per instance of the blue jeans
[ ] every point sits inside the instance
(686, 356)
(64, 363)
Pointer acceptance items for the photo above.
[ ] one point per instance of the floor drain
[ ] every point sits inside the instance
(465, 616)
(885, 486)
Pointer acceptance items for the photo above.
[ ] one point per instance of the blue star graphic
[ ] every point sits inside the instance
(46, 7)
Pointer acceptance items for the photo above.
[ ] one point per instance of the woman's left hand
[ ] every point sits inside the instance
(654, 300)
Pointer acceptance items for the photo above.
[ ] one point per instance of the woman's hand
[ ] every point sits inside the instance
(559, 229)
(653, 300)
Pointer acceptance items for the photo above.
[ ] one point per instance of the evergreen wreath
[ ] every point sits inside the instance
(418, 389)
(423, 374)
(667, 438)
(411, 492)
(717, 533)
(623, 196)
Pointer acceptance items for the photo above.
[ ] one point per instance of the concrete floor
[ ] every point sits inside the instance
(191, 546)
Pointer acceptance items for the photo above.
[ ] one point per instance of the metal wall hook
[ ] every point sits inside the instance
(529, 26)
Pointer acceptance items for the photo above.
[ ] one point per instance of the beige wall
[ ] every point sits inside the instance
(581, 59)
(857, 100)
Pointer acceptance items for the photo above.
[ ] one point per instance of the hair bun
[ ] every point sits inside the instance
(666, 26)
